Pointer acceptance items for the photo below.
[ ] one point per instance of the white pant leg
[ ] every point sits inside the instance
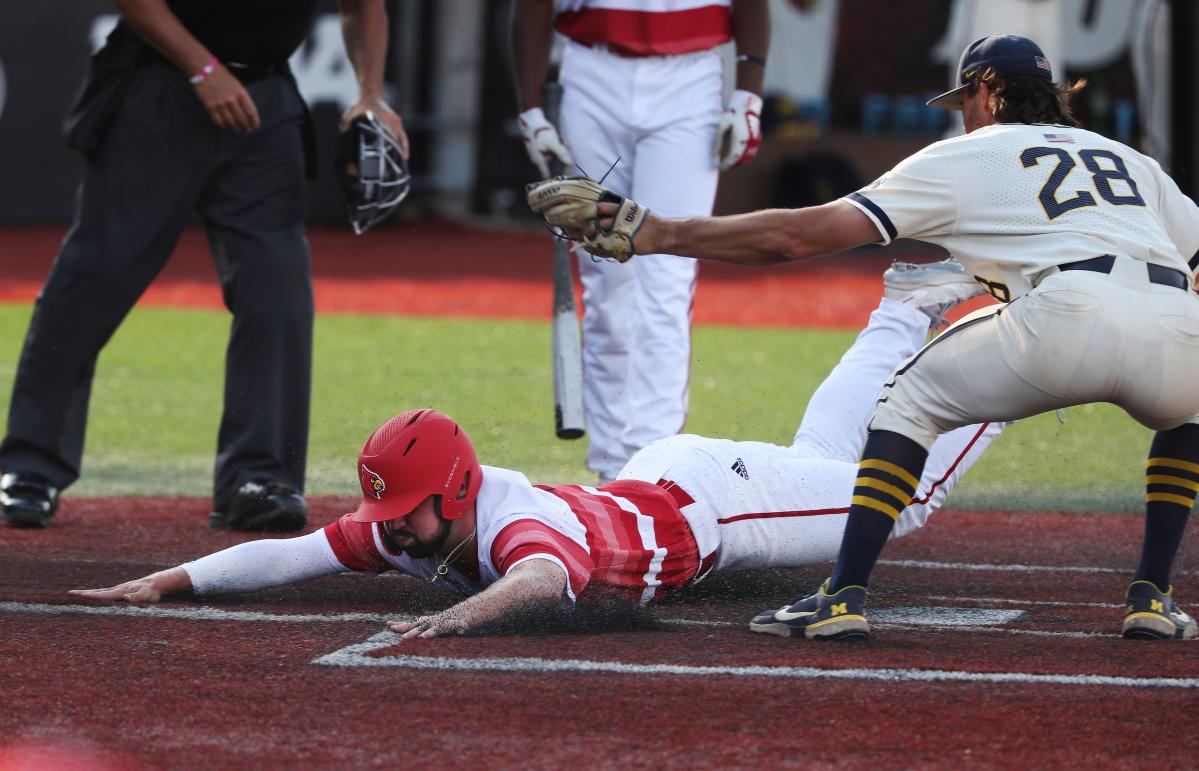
(765, 505)
(757, 502)
(762, 506)
(834, 423)
(676, 108)
(594, 125)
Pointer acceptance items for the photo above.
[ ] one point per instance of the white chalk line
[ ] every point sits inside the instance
(934, 619)
(354, 656)
(193, 614)
(982, 566)
(215, 614)
(1008, 601)
(941, 616)
(935, 615)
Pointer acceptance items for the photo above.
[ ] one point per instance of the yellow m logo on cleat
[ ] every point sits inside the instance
(838, 609)
(1156, 606)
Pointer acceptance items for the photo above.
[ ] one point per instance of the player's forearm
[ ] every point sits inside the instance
(262, 564)
(766, 237)
(153, 22)
(171, 581)
(531, 586)
(532, 39)
(751, 36)
(364, 29)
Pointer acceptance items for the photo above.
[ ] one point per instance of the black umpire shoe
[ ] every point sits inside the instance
(27, 499)
(263, 504)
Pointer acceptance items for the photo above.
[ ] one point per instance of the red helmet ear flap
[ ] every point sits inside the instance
(412, 456)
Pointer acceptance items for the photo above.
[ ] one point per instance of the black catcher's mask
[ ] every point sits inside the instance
(372, 171)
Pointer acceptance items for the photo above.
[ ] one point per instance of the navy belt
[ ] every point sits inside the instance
(1158, 274)
(250, 73)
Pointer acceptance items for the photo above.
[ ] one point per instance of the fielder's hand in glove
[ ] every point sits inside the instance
(585, 211)
(739, 132)
(542, 141)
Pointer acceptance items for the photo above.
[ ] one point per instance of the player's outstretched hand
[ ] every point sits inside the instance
(573, 205)
(436, 625)
(141, 590)
(152, 588)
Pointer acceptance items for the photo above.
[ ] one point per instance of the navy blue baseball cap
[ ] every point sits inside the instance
(1007, 54)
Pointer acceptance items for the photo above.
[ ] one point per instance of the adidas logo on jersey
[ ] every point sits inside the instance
(740, 470)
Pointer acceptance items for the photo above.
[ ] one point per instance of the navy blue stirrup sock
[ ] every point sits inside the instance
(1171, 484)
(887, 479)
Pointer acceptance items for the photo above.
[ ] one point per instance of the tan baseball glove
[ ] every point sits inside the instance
(569, 203)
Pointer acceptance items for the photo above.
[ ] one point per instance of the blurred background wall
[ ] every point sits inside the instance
(846, 85)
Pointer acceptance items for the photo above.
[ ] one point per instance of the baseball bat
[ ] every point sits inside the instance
(567, 349)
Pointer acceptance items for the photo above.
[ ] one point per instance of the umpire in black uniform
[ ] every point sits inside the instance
(190, 106)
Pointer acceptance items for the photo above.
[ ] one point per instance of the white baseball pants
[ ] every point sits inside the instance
(1078, 337)
(658, 116)
(760, 505)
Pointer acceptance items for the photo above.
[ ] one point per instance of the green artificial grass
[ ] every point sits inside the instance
(157, 399)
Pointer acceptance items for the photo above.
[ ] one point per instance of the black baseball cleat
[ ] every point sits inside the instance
(27, 499)
(1153, 615)
(820, 616)
(262, 504)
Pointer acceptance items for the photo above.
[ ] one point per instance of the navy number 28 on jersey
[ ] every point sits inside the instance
(1109, 176)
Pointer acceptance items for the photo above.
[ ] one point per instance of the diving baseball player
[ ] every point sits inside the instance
(1088, 244)
(642, 89)
(681, 508)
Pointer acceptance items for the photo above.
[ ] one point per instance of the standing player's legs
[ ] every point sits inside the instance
(1171, 484)
(675, 175)
(253, 211)
(991, 364)
(135, 199)
(593, 125)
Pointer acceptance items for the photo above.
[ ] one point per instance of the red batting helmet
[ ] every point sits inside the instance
(416, 454)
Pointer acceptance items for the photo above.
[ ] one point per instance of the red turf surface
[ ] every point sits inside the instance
(145, 692)
(81, 690)
(450, 270)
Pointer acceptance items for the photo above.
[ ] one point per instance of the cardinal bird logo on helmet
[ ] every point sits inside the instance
(372, 484)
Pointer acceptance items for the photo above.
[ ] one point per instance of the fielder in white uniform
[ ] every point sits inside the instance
(682, 508)
(1090, 246)
(642, 83)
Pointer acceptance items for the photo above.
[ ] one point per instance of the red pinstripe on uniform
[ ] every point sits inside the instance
(649, 33)
(353, 544)
(528, 538)
(616, 543)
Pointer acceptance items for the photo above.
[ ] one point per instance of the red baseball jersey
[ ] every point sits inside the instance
(626, 538)
(647, 27)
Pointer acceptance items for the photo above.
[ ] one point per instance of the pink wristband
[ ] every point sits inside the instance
(205, 71)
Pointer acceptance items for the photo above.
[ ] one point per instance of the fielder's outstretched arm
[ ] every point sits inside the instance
(764, 237)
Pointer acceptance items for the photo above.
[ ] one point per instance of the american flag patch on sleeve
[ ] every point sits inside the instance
(1064, 138)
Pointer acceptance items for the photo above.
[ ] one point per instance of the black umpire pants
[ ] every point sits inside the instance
(162, 159)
